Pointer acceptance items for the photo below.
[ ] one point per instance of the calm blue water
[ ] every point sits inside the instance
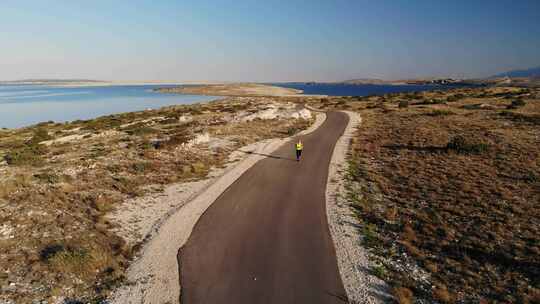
(24, 105)
(340, 89)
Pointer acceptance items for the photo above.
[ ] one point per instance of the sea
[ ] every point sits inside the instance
(343, 89)
(25, 105)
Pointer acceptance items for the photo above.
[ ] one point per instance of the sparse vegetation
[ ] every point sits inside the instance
(29, 155)
(60, 182)
(403, 295)
(449, 206)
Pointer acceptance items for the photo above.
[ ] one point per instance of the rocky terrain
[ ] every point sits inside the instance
(69, 192)
(444, 187)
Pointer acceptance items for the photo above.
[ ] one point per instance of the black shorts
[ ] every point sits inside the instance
(298, 153)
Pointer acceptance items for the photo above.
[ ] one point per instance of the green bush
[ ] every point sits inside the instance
(30, 155)
(40, 135)
(379, 271)
(371, 238)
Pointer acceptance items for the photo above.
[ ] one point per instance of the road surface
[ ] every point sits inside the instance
(266, 238)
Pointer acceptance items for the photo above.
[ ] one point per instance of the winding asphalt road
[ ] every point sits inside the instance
(266, 238)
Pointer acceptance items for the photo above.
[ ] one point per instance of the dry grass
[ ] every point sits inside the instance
(458, 193)
(56, 197)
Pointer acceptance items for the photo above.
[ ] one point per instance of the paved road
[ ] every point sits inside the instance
(266, 238)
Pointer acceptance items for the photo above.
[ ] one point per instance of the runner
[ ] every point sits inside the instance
(299, 147)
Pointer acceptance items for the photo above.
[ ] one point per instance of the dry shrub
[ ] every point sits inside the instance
(466, 145)
(517, 103)
(391, 214)
(533, 119)
(20, 181)
(199, 168)
(40, 135)
(83, 263)
(403, 295)
(413, 250)
(27, 155)
(433, 268)
(441, 294)
(408, 234)
(103, 203)
(183, 136)
(438, 112)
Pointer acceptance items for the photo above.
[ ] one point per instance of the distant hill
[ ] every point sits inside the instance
(365, 81)
(532, 72)
(417, 81)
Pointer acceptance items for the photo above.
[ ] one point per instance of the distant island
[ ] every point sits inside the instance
(438, 81)
(419, 81)
(232, 89)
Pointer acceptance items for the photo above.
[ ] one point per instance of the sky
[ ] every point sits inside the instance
(266, 41)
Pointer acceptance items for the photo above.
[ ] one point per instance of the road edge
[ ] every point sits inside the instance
(353, 262)
(153, 277)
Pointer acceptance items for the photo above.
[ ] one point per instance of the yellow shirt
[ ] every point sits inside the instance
(299, 146)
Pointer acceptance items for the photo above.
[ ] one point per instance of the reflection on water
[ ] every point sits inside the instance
(25, 105)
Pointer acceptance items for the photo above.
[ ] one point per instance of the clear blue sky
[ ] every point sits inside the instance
(266, 40)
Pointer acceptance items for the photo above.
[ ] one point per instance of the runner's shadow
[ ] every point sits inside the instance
(268, 155)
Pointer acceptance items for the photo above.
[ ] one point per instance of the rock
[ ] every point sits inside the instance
(304, 114)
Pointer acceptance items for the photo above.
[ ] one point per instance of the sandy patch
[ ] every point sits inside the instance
(233, 89)
(354, 266)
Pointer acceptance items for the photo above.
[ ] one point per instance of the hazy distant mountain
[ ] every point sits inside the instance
(366, 81)
(533, 72)
(52, 80)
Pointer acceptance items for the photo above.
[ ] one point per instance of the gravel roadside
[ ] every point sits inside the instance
(153, 277)
(354, 266)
